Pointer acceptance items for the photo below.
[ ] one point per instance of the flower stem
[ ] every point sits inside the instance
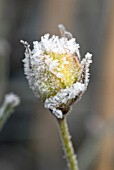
(67, 144)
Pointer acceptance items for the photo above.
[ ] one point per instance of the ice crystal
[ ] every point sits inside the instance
(55, 73)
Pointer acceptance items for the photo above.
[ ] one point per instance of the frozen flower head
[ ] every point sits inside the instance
(54, 71)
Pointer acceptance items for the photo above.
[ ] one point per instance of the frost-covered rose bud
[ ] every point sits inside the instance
(54, 71)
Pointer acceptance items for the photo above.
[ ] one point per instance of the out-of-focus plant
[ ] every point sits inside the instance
(57, 75)
(10, 102)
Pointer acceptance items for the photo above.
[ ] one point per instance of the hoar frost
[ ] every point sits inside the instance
(55, 73)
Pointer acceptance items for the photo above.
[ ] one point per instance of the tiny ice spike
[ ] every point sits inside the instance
(54, 71)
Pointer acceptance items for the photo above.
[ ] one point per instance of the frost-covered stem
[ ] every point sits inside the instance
(6, 114)
(10, 102)
(67, 144)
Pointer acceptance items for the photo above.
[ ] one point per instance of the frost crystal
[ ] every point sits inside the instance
(55, 73)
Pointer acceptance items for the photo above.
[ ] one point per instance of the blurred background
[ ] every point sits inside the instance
(30, 139)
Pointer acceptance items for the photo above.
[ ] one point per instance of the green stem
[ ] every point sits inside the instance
(67, 144)
(5, 112)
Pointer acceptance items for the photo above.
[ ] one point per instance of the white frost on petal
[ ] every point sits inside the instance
(74, 92)
(64, 97)
(36, 62)
(57, 45)
(86, 63)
